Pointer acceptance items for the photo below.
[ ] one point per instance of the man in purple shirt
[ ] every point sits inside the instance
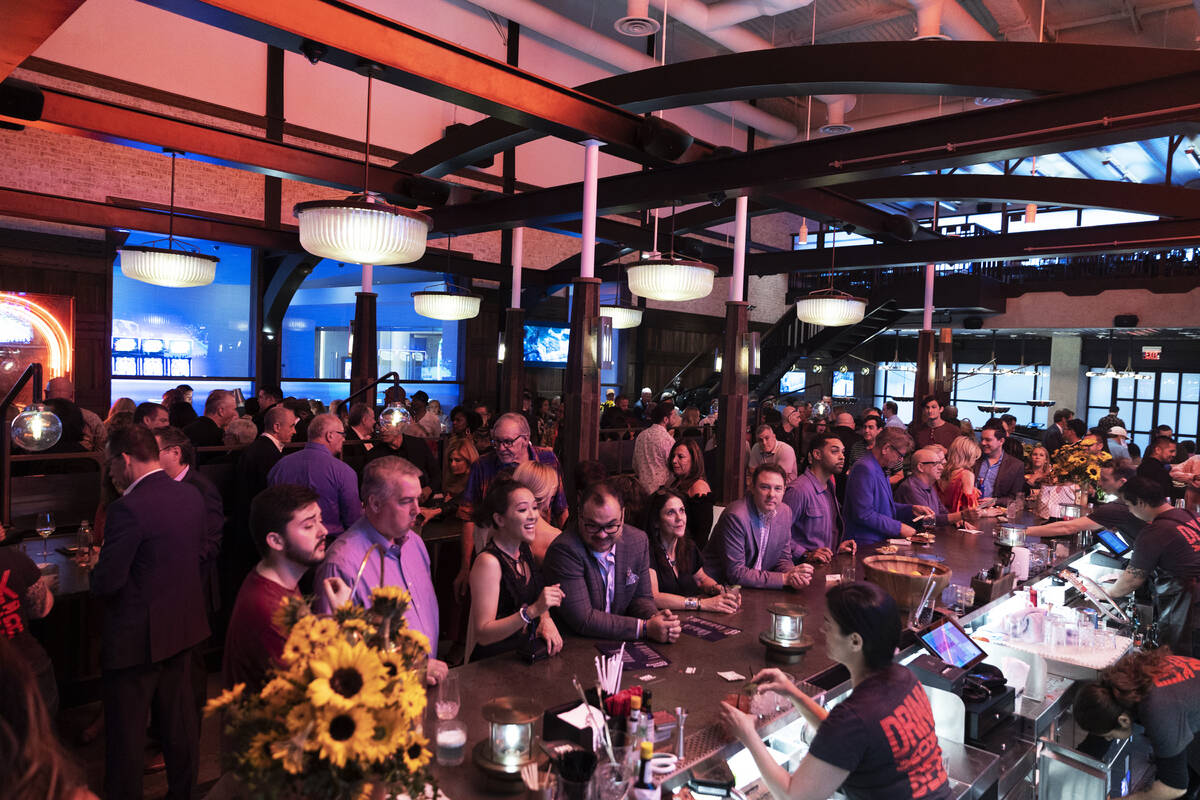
(391, 491)
(816, 517)
(871, 514)
(317, 467)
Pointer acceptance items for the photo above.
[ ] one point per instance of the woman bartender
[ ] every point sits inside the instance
(1159, 691)
(880, 741)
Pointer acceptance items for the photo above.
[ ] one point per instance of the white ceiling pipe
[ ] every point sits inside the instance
(955, 21)
(694, 14)
(836, 106)
(625, 58)
(735, 12)
(929, 19)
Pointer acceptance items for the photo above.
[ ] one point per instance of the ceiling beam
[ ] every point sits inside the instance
(1143, 198)
(1016, 130)
(415, 60)
(76, 115)
(970, 69)
(1066, 242)
(27, 24)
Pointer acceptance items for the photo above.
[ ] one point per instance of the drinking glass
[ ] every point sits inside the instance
(849, 568)
(609, 782)
(448, 697)
(45, 527)
(451, 743)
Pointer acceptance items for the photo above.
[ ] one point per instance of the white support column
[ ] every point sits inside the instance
(738, 279)
(367, 274)
(518, 261)
(591, 172)
(927, 316)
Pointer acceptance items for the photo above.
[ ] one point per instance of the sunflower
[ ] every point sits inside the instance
(344, 733)
(321, 631)
(346, 675)
(416, 753)
(387, 600)
(225, 698)
(258, 753)
(389, 735)
(409, 696)
(296, 648)
(393, 665)
(292, 610)
(359, 626)
(1093, 472)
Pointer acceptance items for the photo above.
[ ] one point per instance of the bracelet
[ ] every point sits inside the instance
(691, 603)
(524, 612)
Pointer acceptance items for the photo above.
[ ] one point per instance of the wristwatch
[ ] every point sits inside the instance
(691, 603)
(524, 612)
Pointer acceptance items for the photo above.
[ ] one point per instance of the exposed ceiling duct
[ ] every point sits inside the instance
(946, 19)
(603, 48)
(836, 106)
(637, 21)
(719, 16)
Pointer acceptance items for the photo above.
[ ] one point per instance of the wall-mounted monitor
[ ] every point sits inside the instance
(843, 384)
(792, 381)
(124, 344)
(546, 344)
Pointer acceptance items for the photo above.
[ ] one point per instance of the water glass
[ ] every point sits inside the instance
(450, 742)
(849, 568)
(449, 697)
(609, 782)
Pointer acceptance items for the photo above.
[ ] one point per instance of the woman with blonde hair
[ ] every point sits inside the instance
(119, 405)
(1039, 467)
(542, 480)
(957, 486)
(461, 455)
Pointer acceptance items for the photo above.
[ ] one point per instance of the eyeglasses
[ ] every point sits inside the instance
(609, 528)
(930, 463)
(507, 443)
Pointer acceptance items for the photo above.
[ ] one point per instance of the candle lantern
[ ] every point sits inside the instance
(785, 640)
(510, 741)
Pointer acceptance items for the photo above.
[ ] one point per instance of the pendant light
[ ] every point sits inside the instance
(450, 304)
(167, 266)
(1109, 371)
(362, 228)
(1129, 372)
(831, 307)
(895, 365)
(622, 316)
(670, 278)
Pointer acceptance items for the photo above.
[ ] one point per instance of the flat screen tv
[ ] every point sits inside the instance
(843, 384)
(546, 344)
(792, 381)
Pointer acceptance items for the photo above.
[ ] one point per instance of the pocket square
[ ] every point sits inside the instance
(631, 577)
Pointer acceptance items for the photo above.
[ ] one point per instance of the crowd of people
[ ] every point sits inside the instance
(180, 561)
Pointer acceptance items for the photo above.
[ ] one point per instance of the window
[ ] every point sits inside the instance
(179, 334)
(896, 383)
(1170, 398)
(1009, 388)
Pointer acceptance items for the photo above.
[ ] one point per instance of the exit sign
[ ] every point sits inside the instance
(1151, 353)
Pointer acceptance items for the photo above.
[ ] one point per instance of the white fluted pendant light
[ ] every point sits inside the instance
(362, 229)
(831, 308)
(177, 269)
(449, 305)
(622, 316)
(670, 279)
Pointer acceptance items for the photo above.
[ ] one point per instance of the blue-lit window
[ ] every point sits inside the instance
(1169, 398)
(896, 381)
(977, 384)
(183, 333)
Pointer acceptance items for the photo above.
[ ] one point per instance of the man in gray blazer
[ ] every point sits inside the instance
(752, 542)
(603, 567)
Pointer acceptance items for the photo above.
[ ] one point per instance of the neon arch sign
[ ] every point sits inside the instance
(46, 325)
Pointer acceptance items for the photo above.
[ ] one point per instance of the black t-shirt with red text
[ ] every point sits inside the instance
(17, 574)
(1170, 713)
(1171, 542)
(883, 734)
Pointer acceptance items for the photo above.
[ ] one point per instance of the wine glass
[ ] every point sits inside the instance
(448, 697)
(45, 527)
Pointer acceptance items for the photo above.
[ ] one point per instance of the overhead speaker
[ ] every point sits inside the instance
(1125, 321)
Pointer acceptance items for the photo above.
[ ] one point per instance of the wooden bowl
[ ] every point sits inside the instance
(905, 578)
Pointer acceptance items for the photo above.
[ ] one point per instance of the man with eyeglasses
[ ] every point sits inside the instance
(920, 488)
(603, 568)
(317, 466)
(510, 438)
(871, 514)
(751, 544)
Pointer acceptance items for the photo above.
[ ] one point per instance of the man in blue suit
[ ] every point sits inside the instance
(148, 575)
(603, 566)
(870, 513)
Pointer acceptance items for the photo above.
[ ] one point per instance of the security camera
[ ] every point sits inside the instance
(716, 198)
(313, 51)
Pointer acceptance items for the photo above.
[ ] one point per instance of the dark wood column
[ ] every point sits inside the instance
(926, 368)
(734, 400)
(943, 384)
(477, 352)
(581, 426)
(364, 357)
(512, 380)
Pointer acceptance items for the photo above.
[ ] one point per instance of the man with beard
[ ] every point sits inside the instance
(871, 514)
(285, 522)
(816, 515)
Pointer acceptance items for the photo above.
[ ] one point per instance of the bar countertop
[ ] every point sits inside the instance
(548, 682)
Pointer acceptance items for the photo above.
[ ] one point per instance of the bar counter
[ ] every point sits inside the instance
(548, 682)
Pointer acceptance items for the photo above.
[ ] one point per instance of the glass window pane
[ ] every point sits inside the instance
(1166, 415)
(1125, 412)
(1143, 417)
(1187, 420)
(1145, 390)
(1125, 388)
(1094, 415)
(1100, 391)
(140, 390)
(1189, 388)
(185, 333)
(1168, 386)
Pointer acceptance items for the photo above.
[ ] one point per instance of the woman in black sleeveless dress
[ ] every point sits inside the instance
(676, 573)
(509, 601)
(686, 463)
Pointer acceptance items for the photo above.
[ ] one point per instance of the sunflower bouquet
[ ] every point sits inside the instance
(1074, 463)
(341, 718)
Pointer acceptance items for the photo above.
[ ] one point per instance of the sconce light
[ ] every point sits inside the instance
(751, 341)
(394, 416)
(500, 350)
(605, 342)
(718, 362)
(36, 428)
